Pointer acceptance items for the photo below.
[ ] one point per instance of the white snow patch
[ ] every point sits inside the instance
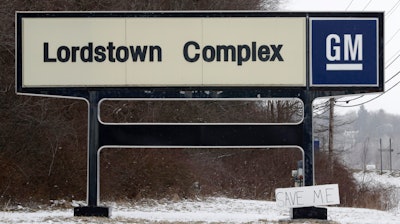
(374, 178)
(208, 210)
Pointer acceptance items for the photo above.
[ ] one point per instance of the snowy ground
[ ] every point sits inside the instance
(374, 177)
(208, 210)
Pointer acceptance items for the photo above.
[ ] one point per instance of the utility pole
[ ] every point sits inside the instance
(380, 150)
(390, 154)
(390, 150)
(331, 120)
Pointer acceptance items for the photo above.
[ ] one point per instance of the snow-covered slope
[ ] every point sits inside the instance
(208, 210)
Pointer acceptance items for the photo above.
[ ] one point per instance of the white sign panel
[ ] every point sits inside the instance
(163, 51)
(307, 196)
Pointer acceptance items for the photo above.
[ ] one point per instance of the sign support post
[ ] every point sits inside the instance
(307, 145)
(93, 142)
(307, 141)
(93, 209)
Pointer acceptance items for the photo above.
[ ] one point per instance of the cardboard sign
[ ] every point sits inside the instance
(307, 196)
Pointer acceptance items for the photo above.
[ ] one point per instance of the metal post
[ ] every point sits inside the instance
(93, 167)
(380, 150)
(330, 129)
(308, 142)
(308, 212)
(93, 188)
(390, 154)
(307, 128)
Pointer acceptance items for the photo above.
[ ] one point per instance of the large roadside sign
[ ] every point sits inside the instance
(108, 55)
(198, 50)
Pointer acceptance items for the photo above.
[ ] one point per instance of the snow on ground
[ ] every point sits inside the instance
(208, 210)
(387, 180)
(374, 177)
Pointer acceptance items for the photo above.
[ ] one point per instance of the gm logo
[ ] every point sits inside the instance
(344, 51)
(352, 52)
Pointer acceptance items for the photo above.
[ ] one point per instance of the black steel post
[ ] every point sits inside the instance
(308, 141)
(307, 127)
(93, 167)
(93, 188)
(308, 212)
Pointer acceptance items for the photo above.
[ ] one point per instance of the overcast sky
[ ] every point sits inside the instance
(390, 100)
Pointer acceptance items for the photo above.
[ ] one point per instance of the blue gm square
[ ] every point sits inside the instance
(344, 52)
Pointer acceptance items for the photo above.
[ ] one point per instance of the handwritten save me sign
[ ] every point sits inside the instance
(307, 196)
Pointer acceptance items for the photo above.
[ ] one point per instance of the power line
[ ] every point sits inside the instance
(356, 98)
(397, 73)
(372, 98)
(321, 114)
(321, 107)
(390, 12)
(397, 54)
(321, 111)
(394, 55)
(347, 101)
(351, 2)
(394, 8)
(365, 7)
(397, 31)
